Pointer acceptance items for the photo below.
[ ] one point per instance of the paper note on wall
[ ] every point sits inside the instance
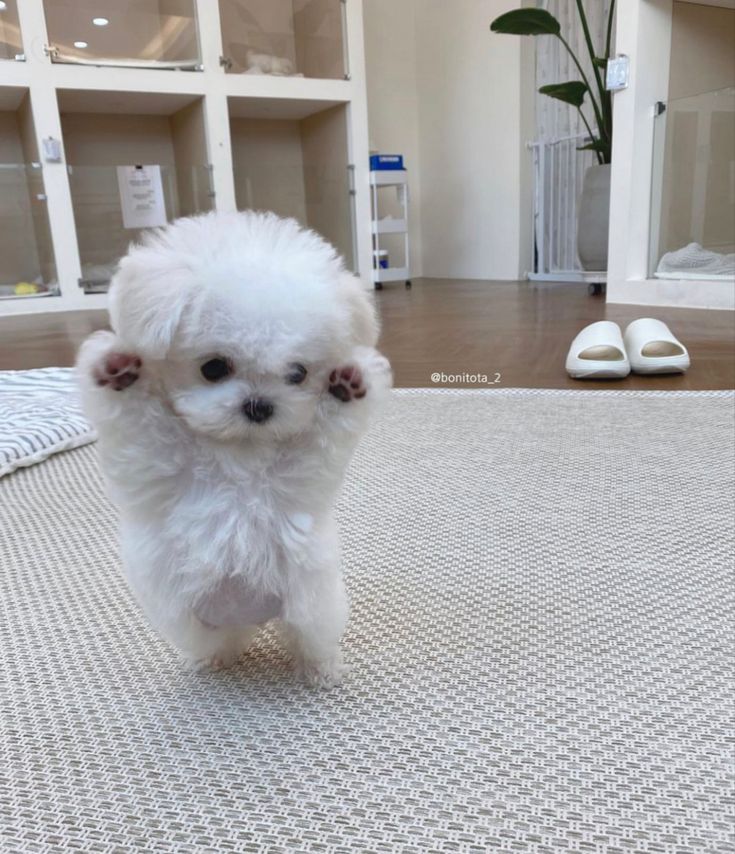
(141, 196)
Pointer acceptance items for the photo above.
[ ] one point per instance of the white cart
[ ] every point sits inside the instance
(389, 225)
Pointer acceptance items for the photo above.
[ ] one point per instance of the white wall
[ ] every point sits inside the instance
(469, 131)
(393, 99)
(446, 92)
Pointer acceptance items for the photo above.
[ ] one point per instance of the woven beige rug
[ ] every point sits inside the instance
(542, 641)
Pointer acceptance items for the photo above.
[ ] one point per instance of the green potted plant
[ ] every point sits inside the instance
(594, 208)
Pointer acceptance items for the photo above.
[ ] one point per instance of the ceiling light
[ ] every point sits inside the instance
(3, 6)
(81, 44)
(100, 22)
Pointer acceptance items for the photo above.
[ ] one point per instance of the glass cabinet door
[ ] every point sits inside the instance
(139, 33)
(11, 44)
(104, 233)
(692, 232)
(285, 38)
(27, 267)
(297, 168)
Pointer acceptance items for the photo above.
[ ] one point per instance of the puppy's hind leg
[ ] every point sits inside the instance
(229, 648)
(313, 626)
(206, 648)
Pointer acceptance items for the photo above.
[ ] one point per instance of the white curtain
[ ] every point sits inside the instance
(563, 168)
(554, 119)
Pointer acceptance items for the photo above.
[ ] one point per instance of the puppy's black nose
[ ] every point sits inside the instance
(258, 410)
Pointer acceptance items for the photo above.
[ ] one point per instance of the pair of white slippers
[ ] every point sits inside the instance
(647, 347)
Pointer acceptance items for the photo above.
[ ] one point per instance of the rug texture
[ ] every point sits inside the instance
(541, 635)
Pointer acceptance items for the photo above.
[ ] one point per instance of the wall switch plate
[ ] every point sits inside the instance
(618, 73)
(52, 150)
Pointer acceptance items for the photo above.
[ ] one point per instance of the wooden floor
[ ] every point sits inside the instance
(515, 333)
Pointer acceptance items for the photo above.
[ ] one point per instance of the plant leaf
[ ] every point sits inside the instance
(572, 92)
(594, 145)
(600, 61)
(526, 22)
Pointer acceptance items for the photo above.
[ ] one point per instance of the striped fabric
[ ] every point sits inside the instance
(39, 416)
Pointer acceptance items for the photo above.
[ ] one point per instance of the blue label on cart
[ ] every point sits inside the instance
(386, 161)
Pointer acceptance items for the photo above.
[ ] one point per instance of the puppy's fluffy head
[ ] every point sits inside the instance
(241, 317)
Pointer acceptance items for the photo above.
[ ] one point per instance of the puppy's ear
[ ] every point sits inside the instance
(363, 318)
(148, 298)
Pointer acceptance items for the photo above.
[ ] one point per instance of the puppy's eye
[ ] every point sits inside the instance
(296, 374)
(216, 369)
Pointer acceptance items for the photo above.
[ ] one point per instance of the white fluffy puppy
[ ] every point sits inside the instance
(239, 377)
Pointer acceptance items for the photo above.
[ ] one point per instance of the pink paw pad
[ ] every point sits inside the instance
(118, 370)
(346, 384)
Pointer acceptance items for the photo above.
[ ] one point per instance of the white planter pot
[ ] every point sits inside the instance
(594, 218)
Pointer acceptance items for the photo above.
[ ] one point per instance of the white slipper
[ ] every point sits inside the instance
(653, 349)
(598, 352)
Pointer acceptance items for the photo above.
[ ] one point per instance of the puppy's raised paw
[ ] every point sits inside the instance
(347, 384)
(117, 370)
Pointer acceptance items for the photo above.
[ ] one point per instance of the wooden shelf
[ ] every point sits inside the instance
(389, 178)
(391, 274)
(390, 226)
